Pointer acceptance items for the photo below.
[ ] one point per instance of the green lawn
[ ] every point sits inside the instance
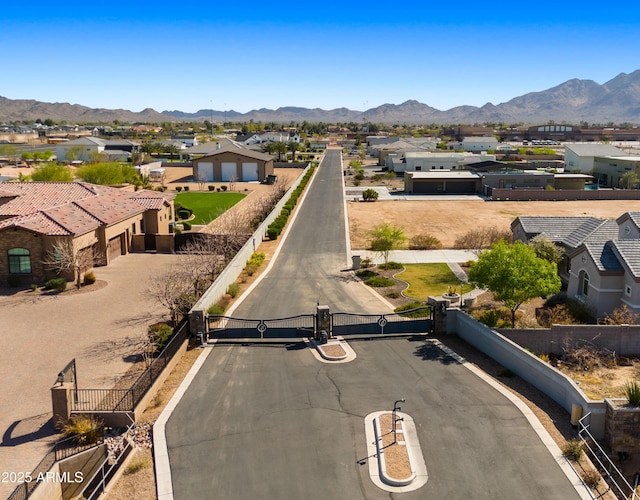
(207, 206)
(430, 279)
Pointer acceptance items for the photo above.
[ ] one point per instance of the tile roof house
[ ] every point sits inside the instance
(108, 222)
(601, 266)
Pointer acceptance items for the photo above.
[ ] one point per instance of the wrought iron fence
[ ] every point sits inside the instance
(614, 478)
(225, 327)
(416, 320)
(73, 445)
(24, 490)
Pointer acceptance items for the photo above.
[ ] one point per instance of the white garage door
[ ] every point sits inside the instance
(229, 171)
(249, 172)
(205, 171)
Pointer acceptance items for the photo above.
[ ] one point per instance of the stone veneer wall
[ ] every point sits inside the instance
(622, 426)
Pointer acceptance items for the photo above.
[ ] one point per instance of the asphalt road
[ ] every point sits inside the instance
(312, 263)
(271, 422)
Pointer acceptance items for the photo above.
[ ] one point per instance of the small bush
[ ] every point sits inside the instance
(251, 269)
(379, 282)
(359, 176)
(224, 188)
(573, 449)
(544, 357)
(33, 287)
(591, 478)
(369, 194)
(186, 188)
(256, 258)
(393, 295)
(216, 310)
(424, 241)
(390, 265)
(89, 279)
(366, 274)
(273, 232)
(178, 188)
(87, 428)
(366, 263)
(136, 465)
(186, 226)
(183, 213)
(234, 289)
(56, 284)
(421, 313)
(211, 188)
(632, 391)
(159, 335)
(498, 318)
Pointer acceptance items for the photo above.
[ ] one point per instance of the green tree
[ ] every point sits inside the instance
(53, 172)
(369, 195)
(280, 148)
(546, 249)
(384, 238)
(514, 274)
(629, 180)
(107, 174)
(293, 147)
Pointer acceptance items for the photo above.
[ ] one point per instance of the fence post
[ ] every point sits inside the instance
(62, 402)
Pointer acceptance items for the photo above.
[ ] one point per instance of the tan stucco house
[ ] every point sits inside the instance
(233, 163)
(101, 221)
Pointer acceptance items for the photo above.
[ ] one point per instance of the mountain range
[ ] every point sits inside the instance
(574, 101)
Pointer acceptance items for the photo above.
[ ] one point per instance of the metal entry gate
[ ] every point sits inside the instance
(225, 327)
(342, 324)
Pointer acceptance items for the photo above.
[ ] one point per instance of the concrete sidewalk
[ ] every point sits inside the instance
(418, 256)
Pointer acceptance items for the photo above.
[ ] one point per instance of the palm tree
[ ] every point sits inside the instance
(293, 147)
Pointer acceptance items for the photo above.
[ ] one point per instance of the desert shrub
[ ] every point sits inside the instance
(544, 357)
(33, 286)
(366, 274)
(590, 477)
(159, 335)
(136, 465)
(233, 289)
(250, 269)
(87, 429)
(223, 188)
(216, 310)
(573, 449)
(557, 315)
(379, 282)
(580, 311)
(390, 265)
(211, 188)
(477, 239)
(424, 241)
(186, 188)
(421, 313)
(186, 226)
(356, 182)
(632, 391)
(257, 258)
(621, 316)
(359, 176)
(376, 177)
(89, 279)
(366, 262)
(393, 295)
(495, 318)
(56, 284)
(370, 195)
(178, 188)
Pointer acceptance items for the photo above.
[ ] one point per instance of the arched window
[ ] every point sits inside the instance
(584, 284)
(19, 261)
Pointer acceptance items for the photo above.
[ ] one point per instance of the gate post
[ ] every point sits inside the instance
(439, 308)
(323, 321)
(62, 402)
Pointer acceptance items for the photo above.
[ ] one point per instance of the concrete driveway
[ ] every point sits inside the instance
(40, 334)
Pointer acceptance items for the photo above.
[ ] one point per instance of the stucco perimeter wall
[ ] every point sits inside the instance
(219, 287)
(527, 366)
(500, 194)
(623, 340)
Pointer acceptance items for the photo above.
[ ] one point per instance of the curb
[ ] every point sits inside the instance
(381, 459)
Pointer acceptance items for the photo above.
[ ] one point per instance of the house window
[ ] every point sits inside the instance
(418, 168)
(584, 284)
(133, 228)
(19, 261)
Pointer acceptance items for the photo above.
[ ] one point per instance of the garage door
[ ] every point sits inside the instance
(115, 247)
(229, 171)
(249, 172)
(428, 187)
(205, 171)
(462, 187)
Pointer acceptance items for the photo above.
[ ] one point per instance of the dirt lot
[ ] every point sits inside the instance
(448, 219)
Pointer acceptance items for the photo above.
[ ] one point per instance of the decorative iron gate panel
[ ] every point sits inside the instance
(225, 327)
(413, 321)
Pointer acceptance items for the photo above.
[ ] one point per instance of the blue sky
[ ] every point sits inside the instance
(200, 55)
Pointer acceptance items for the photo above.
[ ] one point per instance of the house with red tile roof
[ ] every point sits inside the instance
(36, 217)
